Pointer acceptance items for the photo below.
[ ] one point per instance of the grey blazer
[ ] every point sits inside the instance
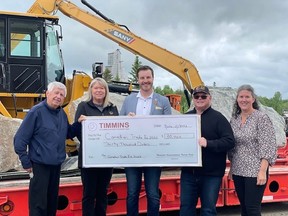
(160, 105)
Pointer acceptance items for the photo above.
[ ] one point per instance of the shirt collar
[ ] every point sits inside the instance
(140, 96)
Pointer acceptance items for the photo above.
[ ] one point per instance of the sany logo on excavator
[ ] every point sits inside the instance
(121, 36)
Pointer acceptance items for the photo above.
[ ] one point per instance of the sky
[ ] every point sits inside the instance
(230, 42)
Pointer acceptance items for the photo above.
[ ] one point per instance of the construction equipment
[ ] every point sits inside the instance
(30, 58)
(175, 100)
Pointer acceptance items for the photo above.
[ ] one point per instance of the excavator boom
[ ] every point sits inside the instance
(182, 68)
(30, 55)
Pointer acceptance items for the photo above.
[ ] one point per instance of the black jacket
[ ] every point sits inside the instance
(89, 109)
(216, 129)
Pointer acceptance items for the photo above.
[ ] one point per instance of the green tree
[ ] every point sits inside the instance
(158, 90)
(133, 73)
(276, 102)
(107, 75)
(117, 78)
(167, 90)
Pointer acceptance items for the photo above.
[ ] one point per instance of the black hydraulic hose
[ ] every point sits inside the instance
(14, 103)
(102, 15)
(187, 96)
(97, 11)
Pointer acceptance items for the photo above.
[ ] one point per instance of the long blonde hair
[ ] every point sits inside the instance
(103, 83)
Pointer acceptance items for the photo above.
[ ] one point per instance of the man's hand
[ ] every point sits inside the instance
(203, 142)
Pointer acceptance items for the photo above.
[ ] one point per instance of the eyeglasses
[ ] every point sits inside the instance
(200, 96)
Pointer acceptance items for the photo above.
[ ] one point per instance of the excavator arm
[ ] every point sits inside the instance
(182, 68)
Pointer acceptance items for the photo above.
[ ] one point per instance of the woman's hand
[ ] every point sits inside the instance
(262, 174)
(261, 178)
(230, 175)
(81, 118)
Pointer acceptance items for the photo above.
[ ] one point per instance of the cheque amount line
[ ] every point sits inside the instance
(109, 136)
(178, 136)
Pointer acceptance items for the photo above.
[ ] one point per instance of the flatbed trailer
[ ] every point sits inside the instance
(14, 194)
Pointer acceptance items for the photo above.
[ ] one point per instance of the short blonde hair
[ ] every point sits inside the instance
(103, 83)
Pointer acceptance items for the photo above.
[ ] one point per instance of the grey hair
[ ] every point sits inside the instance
(59, 85)
(236, 109)
(103, 83)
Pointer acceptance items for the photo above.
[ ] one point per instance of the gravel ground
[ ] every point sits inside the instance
(268, 209)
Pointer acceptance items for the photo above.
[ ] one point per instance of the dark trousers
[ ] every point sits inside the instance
(249, 194)
(195, 186)
(43, 190)
(95, 183)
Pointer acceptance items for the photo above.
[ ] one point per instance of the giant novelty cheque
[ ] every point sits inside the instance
(155, 140)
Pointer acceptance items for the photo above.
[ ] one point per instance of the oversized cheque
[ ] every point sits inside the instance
(155, 140)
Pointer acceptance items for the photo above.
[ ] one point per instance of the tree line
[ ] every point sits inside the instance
(276, 102)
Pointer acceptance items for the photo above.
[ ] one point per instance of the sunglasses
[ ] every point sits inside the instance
(200, 96)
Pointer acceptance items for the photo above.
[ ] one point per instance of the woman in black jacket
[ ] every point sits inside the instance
(95, 180)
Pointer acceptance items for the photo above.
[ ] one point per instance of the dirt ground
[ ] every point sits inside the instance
(268, 209)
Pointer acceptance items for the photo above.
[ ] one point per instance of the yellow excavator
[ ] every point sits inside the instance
(30, 55)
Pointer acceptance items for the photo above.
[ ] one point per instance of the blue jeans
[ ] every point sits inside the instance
(205, 187)
(151, 181)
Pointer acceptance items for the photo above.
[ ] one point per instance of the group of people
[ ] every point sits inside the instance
(249, 139)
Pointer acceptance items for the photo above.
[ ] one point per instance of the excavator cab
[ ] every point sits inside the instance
(30, 58)
(29, 54)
